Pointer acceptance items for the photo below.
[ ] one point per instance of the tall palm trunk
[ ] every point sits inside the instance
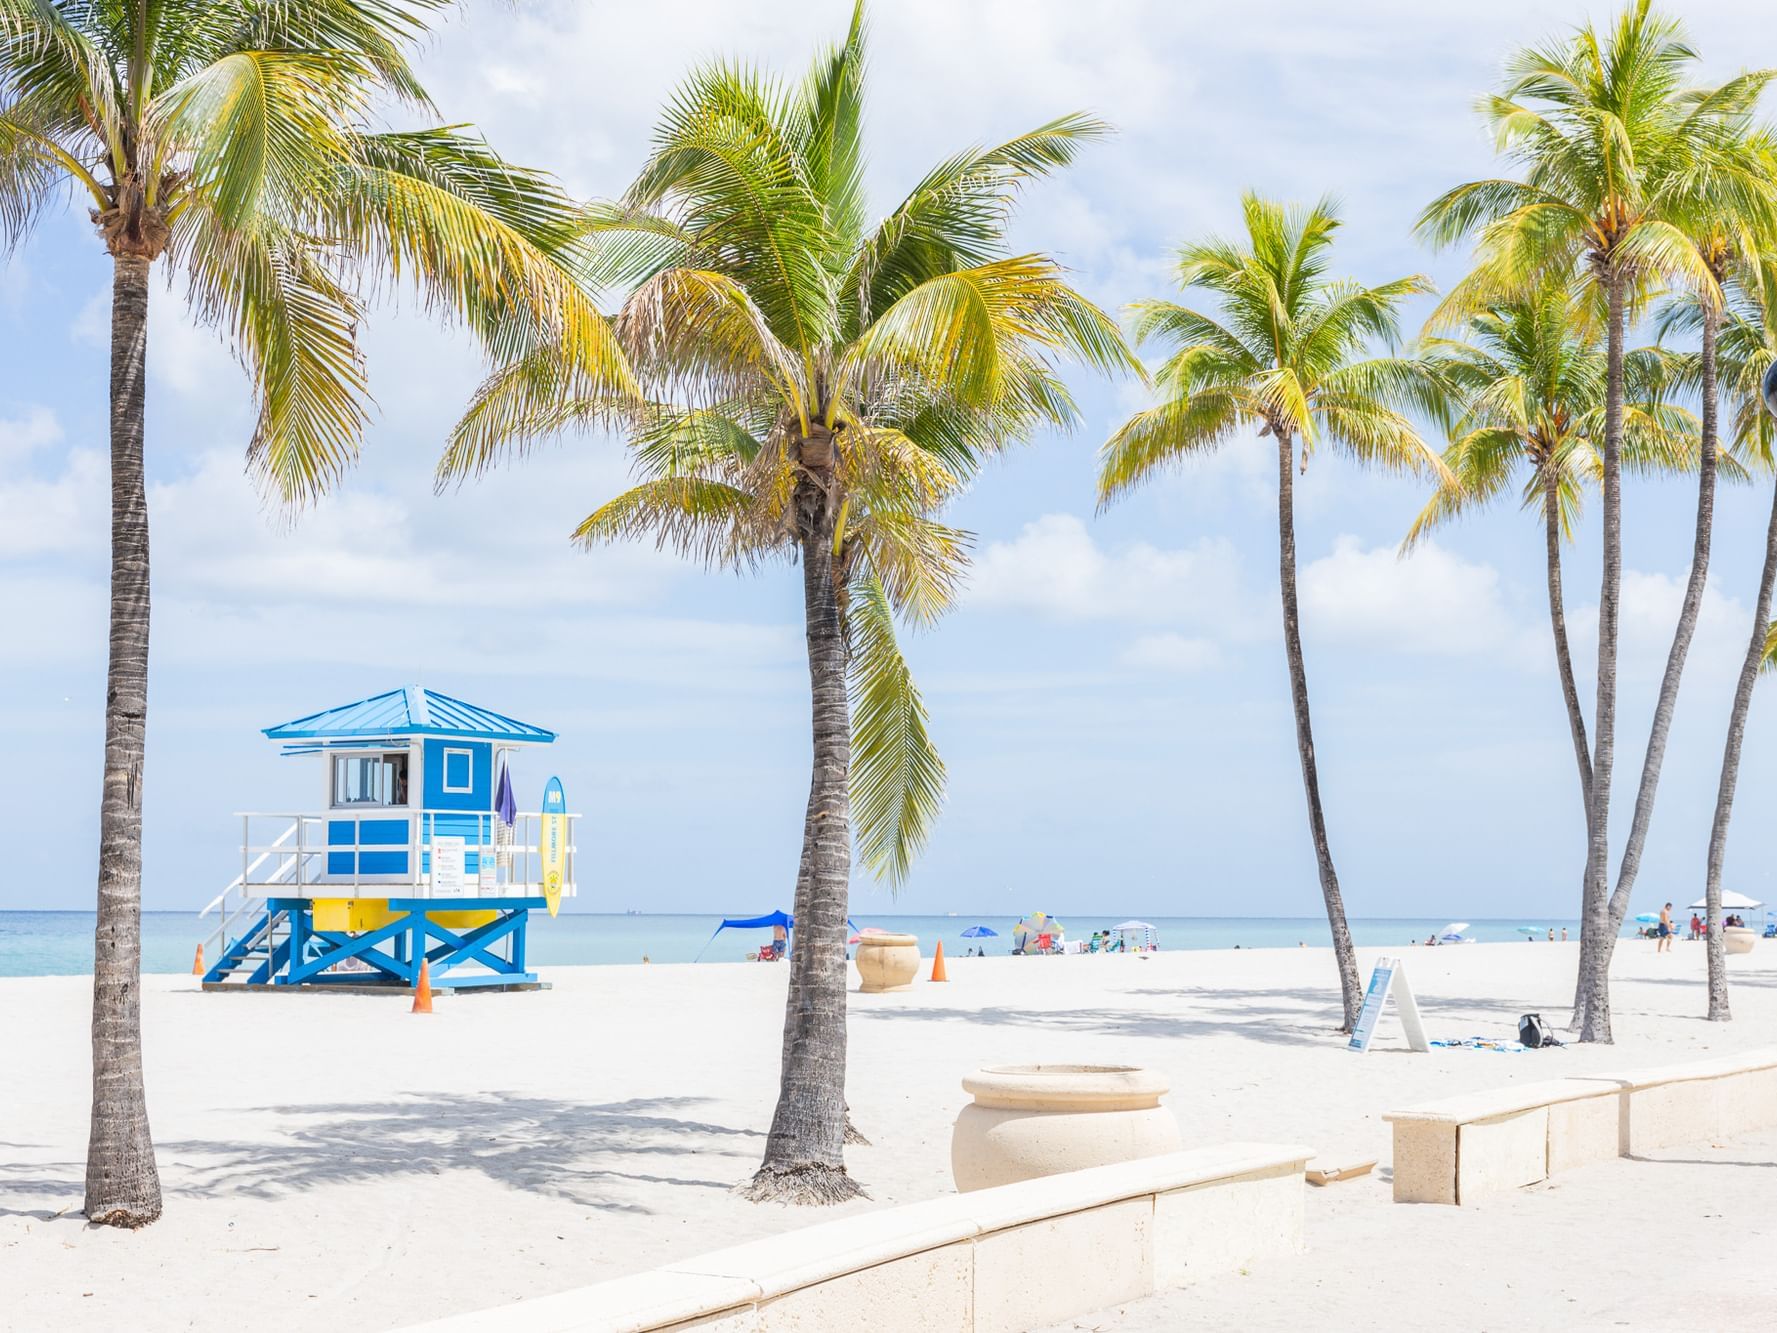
(1730, 773)
(1570, 694)
(122, 1185)
(1681, 640)
(1594, 984)
(1350, 990)
(805, 1150)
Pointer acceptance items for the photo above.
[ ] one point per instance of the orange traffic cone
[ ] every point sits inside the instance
(422, 993)
(197, 964)
(938, 963)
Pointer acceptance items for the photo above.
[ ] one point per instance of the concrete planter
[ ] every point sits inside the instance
(1737, 939)
(1040, 1120)
(887, 962)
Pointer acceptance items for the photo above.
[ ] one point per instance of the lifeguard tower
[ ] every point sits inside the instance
(417, 854)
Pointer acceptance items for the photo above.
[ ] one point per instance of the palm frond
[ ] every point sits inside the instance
(897, 776)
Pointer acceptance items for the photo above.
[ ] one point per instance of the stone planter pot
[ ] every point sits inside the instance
(1737, 939)
(887, 962)
(1040, 1120)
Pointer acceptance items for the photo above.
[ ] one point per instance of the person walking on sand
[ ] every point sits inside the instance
(1665, 929)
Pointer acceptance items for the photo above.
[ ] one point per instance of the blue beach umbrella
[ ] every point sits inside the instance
(1528, 930)
(1648, 918)
(979, 932)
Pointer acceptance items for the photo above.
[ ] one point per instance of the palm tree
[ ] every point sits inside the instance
(1749, 358)
(1531, 389)
(1531, 385)
(1285, 354)
(818, 387)
(1619, 158)
(1727, 235)
(233, 138)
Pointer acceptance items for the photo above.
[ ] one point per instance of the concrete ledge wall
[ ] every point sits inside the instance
(1008, 1258)
(1462, 1148)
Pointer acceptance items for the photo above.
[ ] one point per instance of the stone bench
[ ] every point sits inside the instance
(963, 1262)
(1461, 1148)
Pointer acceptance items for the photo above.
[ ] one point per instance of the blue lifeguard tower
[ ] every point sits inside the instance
(418, 854)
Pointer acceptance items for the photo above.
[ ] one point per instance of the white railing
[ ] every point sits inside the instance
(315, 865)
(240, 913)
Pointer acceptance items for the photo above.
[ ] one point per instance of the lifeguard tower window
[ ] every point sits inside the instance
(369, 779)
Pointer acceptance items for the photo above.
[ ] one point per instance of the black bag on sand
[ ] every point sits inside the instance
(1531, 1031)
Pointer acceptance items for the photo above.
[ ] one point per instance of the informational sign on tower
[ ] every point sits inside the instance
(1389, 980)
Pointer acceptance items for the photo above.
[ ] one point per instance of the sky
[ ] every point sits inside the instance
(1110, 696)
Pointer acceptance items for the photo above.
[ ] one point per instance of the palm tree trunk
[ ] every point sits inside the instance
(1730, 773)
(1570, 694)
(1681, 641)
(1594, 987)
(122, 1185)
(1350, 990)
(805, 1150)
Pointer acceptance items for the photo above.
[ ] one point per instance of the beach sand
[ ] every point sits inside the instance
(337, 1159)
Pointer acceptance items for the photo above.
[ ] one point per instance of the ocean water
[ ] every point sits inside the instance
(61, 943)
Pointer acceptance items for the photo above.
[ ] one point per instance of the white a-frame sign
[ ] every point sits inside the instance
(1389, 978)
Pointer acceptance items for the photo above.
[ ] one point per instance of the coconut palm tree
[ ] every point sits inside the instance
(1283, 351)
(1749, 362)
(1530, 388)
(818, 386)
(1728, 235)
(234, 140)
(1619, 158)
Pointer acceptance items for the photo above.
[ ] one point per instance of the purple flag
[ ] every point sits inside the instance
(504, 805)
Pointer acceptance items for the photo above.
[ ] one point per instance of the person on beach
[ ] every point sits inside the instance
(1696, 925)
(1551, 934)
(1665, 929)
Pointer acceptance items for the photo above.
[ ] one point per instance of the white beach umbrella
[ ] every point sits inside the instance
(1136, 925)
(1454, 928)
(1730, 902)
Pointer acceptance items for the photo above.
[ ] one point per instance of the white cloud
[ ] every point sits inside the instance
(1055, 568)
(1433, 601)
(192, 361)
(1171, 652)
(22, 435)
(60, 515)
(1649, 605)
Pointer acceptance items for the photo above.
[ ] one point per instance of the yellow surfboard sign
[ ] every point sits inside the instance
(552, 844)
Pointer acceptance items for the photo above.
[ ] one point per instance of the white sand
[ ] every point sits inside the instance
(338, 1159)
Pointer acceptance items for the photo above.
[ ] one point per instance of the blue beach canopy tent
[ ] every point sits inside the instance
(767, 921)
(414, 853)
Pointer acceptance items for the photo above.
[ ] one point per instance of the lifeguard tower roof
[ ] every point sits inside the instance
(408, 711)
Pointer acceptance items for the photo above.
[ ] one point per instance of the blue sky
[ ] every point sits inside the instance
(1110, 697)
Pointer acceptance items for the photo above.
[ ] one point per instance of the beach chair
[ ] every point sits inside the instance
(1045, 944)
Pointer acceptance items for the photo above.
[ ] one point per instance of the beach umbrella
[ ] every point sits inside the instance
(1135, 925)
(1529, 930)
(1648, 918)
(1454, 928)
(1730, 902)
(979, 932)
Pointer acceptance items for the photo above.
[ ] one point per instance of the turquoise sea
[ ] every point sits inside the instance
(61, 943)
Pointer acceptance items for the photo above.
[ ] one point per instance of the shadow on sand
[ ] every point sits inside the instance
(581, 1153)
